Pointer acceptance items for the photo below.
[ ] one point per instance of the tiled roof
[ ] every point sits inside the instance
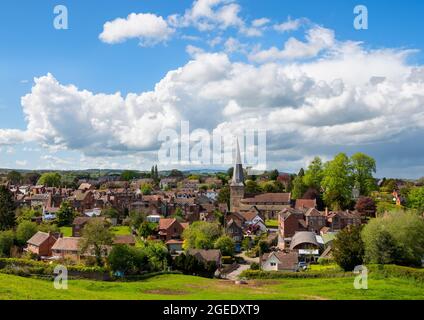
(166, 223)
(66, 244)
(38, 238)
(124, 239)
(269, 198)
(305, 203)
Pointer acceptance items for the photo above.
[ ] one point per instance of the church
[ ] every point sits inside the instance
(268, 205)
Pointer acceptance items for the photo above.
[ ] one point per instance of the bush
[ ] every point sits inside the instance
(348, 248)
(25, 231)
(227, 260)
(325, 261)
(398, 272)
(226, 245)
(255, 266)
(6, 242)
(257, 274)
(128, 260)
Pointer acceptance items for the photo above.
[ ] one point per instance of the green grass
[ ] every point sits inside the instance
(67, 231)
(194, 288)
(121, 230)
(271, 224)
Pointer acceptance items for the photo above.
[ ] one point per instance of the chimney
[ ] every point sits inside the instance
(326, 211)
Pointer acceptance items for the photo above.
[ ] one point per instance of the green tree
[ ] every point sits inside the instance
(7, 239)
(14, 177)
(224, 195)
(348, 248)
(31, 178)
(96, 236)
(175, 174)
(147, 229)
(7, 209)
(273, 175)
(406, 230)
(129, 175)
(158, 255)
(201, 235)
(66, 214)
(416, 199)
(314, 174)
(146, 189)
(363, 167)
(25, 231)
(27, 214)
(252, 187)
(50, 179)
(299, 187)
(337, 182)
(128, 260)
(226, 245)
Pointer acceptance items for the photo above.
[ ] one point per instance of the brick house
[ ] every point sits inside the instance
(170, 229)
(41, 243)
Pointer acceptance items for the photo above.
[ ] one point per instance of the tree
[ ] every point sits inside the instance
(298, 188)
(25, 231)
(175, 174)
(363, 167)
(7, 209)
(158, 255)
(128, 260)
(348, 248)
(224, 195)
(147, 229)
(273, 175)
(66, 214)
(136, 218)
(252, 187)
(129, 175)
(383, 249)
(146, 189)
(366, 206)
(27, 214)
(14, 177)
(226, 245)
(407, 231)
(7, 239)
(337, 182)
(31, 178)
(416, 199)
(314, 174)
(50, 179)
(201, 235)
(96, 236)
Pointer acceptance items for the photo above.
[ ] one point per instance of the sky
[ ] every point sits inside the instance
(99, 93)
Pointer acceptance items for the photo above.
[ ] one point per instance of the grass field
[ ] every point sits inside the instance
(271, 224)
(67, 231)
(121, 230)
(194, 288)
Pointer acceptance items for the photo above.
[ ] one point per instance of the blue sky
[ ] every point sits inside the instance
(32, 48)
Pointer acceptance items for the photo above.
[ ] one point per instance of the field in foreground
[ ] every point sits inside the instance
(194, 288)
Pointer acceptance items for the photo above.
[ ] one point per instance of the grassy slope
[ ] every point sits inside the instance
(187, 287)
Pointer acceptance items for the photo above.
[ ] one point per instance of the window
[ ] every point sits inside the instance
(273, 264)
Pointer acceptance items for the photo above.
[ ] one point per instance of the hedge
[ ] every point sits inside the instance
(398, 272)
(259, 274)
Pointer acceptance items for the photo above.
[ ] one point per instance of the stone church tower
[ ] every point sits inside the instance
(237, 183)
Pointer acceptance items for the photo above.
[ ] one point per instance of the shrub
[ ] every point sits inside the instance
(6, 242)
(226, 245)
(325, 261)
(227, 260)
(25, 231)
(348, 248)
(255, 266)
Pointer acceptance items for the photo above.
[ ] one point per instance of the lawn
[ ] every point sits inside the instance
(121, 230)
(194, 288)
(67, 231)
(271, 224)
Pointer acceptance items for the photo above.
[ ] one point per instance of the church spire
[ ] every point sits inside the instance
(238, 176)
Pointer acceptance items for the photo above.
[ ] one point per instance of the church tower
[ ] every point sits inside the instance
(237, 183)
